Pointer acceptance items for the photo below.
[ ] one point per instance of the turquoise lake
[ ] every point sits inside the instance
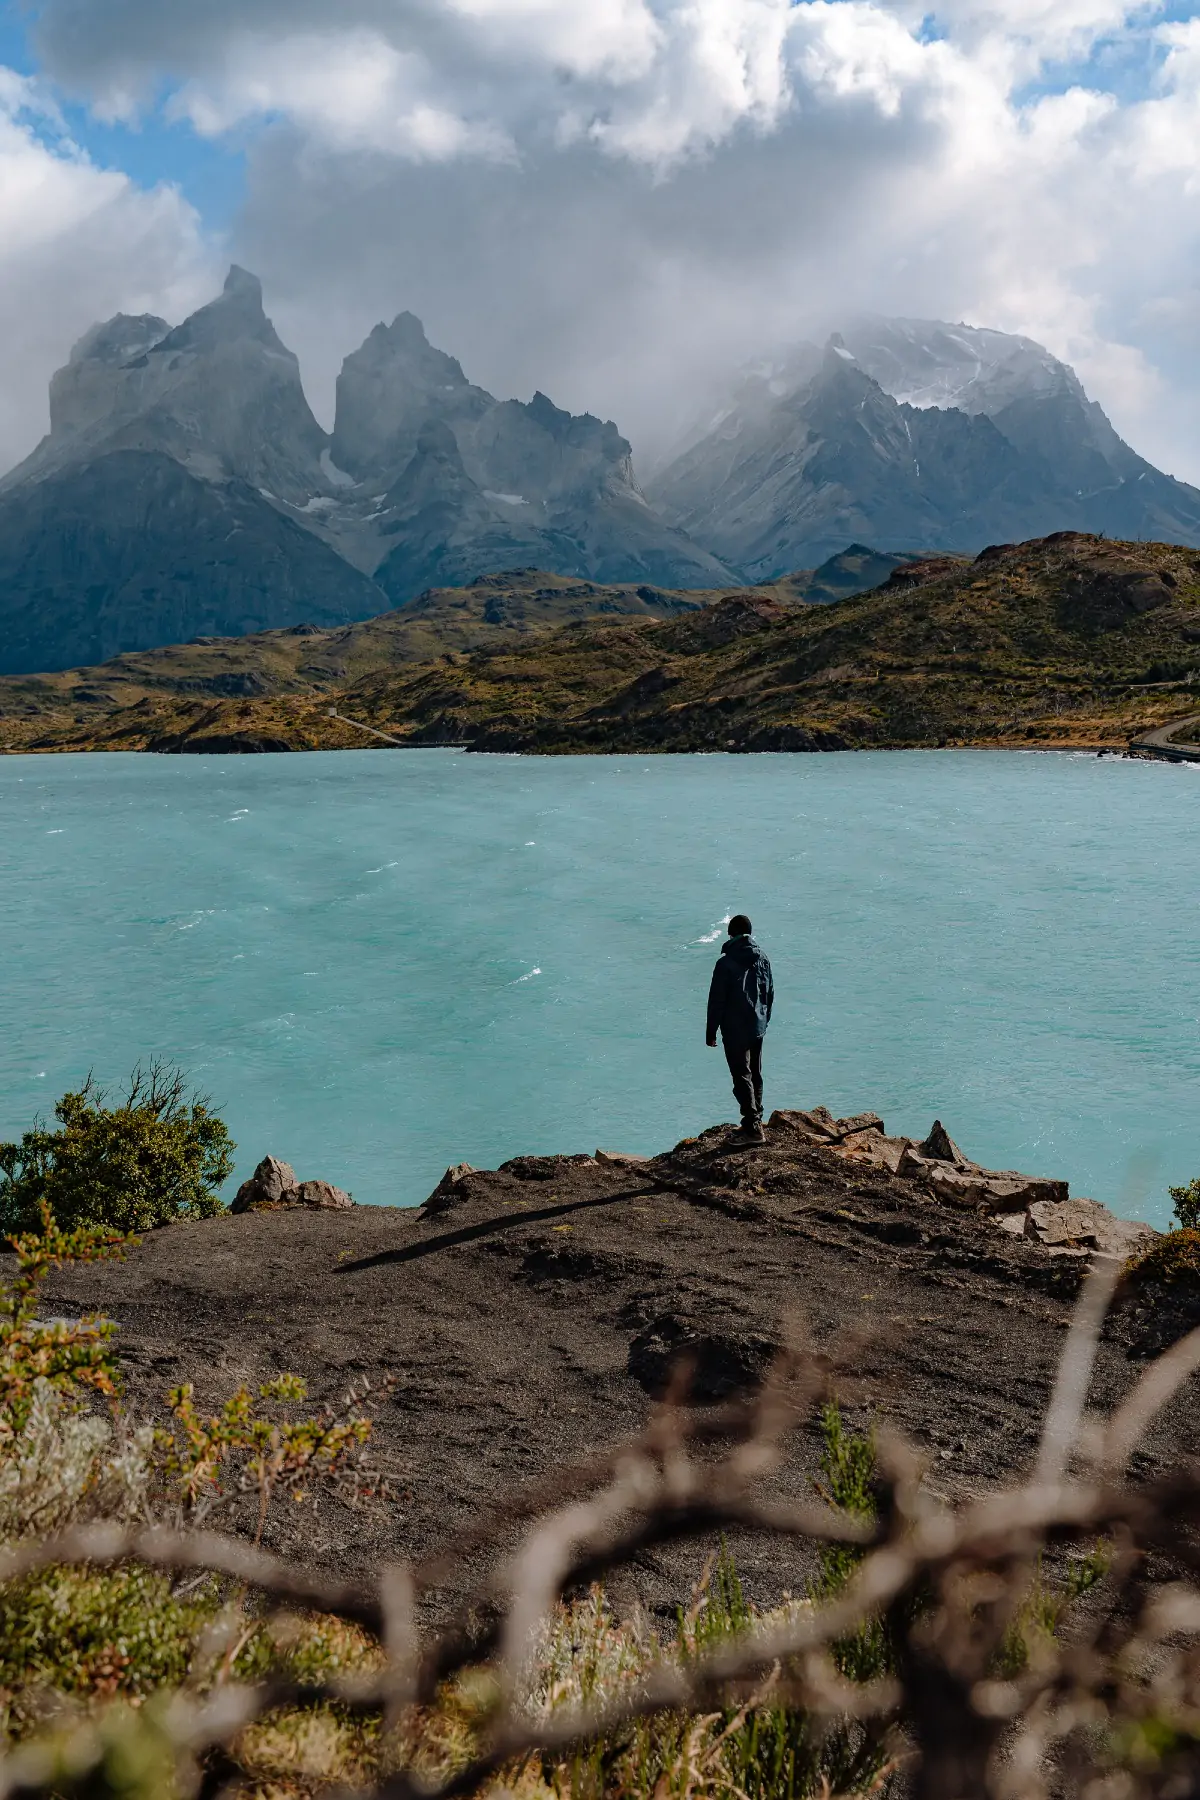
(382, 963)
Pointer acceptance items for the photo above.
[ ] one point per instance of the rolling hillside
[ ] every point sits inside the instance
(1065, 640)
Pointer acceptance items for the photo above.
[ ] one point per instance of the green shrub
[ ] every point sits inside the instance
(70, 1357)
(94, 1633)
(1173, 1257)
(158, 1153)
(1187, 1204)
(847, 1468)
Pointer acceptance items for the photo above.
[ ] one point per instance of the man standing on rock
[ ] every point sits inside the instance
(739, 1007)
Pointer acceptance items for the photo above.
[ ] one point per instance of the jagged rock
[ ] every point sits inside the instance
(321, 1194)
(881, 1151)
(939, 1146)
(451, 1191)
(266, 1187)
(623, 1159)
(998, 1190)
(1015, 1223)
(819, 1124)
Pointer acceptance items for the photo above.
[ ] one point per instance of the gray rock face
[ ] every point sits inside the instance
(220, 394)
(473, 485)
(130, 550)
(388, 390)
(912, 433)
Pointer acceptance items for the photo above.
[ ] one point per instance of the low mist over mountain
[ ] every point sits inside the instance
(903, 431)
(185, 488)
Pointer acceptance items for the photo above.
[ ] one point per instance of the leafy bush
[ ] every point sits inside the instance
(86, 1637)
(158, 1153)
(1187, 1204)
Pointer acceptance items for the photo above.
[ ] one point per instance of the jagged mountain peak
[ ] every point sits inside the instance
(241, 284)
(237, 313)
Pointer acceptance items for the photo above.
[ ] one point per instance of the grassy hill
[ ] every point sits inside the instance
(287, 670)
(1065, 640)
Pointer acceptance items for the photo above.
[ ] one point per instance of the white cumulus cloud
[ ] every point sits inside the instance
(76, 242)
(615, 201)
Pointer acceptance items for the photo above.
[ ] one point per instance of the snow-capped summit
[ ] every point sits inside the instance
(910, 433)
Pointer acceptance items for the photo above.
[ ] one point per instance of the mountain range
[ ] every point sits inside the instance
(186, 489)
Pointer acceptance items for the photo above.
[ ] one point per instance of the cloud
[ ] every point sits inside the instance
(616, 201)
(76, 242)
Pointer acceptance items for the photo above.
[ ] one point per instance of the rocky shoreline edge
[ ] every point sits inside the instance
(1036, 1209)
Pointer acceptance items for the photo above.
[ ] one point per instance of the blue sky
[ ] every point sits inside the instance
(210, 172)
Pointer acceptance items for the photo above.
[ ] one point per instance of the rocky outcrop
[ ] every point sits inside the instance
(1034, 1207)
(527, 1327)
(274, 1185)
(451, 1191)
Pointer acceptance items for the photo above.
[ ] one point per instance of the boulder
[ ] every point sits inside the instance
(450, 1192)
(266, 1187)
(874, 1147)
(273, 1186)
(621, 1159)
(939, 1146)
(320, 1194)
(1083, 1224)
(820, 1127)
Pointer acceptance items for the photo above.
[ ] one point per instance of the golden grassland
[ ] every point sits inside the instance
(1070, 641)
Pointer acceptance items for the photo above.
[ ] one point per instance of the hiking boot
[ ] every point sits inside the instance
(753, 1132)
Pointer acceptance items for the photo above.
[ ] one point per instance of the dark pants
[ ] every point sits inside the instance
(745, 1065)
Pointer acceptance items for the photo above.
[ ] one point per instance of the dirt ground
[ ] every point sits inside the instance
(529, 1314)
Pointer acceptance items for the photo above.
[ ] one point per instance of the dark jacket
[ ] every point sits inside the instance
(742, 993)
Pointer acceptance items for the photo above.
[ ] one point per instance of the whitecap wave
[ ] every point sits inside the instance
(521, 978)
(718, 930)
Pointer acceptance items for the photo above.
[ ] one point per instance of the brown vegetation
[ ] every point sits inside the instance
(1065, 641)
